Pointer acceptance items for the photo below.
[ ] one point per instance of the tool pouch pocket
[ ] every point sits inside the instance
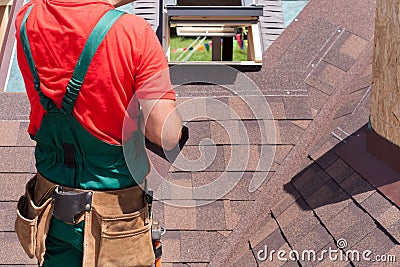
(32, 221)
(126, 240)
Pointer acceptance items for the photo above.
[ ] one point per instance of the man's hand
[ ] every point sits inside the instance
(161, 122)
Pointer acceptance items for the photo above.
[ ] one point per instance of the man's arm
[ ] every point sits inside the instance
(161, 122)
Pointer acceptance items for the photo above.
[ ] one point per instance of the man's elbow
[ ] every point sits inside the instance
(163, 123)
(171, 136)
(170, 143)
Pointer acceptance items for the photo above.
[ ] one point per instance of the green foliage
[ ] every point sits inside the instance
(177, 42)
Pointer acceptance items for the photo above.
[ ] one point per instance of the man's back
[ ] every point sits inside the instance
(129, 55)
(79, 142)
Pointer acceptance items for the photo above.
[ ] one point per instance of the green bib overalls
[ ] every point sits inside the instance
(67, 154)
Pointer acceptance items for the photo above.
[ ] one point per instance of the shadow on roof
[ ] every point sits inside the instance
(349, 171)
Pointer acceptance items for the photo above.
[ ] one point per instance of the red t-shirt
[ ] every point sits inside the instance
(128, 62)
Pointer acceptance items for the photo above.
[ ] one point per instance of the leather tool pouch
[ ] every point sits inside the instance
(69, 205)
(117, 223)
(125, 239)
(118, 230)
(33, 219)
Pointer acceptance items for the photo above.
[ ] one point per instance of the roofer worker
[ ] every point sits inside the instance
(83, 62)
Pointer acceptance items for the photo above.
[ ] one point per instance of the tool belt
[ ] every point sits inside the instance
(117, 229)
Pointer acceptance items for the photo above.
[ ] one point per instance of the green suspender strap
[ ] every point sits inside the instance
(66, 153)
(93, 42)
(75, 84)
(46, 102)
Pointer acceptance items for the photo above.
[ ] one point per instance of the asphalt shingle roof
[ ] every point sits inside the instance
(316, 78)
